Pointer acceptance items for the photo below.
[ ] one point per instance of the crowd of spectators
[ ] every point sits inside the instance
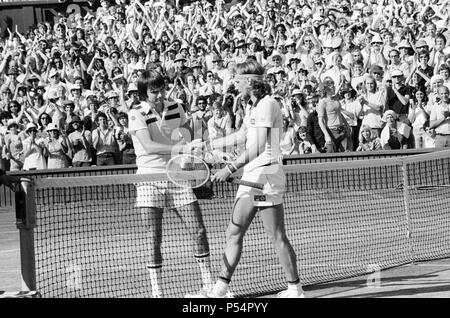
(349, 75)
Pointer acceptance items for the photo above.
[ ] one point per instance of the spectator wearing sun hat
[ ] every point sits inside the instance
(81, 143)
(275, 62)
(14, 146)
(11, 80)
(378, 74)
(292, 67)
(351, 110)
(217, 67)
(241, 51)
(376, 55)
(133, 97)
(69, 110)
(57, 148)
(282, 86)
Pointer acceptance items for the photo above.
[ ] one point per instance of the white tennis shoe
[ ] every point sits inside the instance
(202, 293)
(209, 293)
(228, 294)
(291, 293)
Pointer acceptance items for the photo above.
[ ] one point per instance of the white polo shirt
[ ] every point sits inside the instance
(164, 129)
(267, 113)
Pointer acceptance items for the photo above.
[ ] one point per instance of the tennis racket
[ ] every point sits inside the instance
(190, 171)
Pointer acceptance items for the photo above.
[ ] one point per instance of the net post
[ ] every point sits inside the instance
(25, 222)
(406, 200)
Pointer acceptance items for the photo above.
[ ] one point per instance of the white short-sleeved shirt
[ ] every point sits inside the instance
(164, 129)
(437, 112)
(267, 113)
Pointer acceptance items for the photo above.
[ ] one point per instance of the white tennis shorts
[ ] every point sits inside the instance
(162, 194)
(274, 180)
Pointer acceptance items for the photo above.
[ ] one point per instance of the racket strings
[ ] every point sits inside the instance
(188, 171)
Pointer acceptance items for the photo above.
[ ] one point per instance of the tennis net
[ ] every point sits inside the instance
(343, 219)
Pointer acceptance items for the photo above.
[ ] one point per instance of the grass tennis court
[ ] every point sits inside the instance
(424, 279)
(90, 241)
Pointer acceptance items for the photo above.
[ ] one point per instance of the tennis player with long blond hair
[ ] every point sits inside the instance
(261, 132)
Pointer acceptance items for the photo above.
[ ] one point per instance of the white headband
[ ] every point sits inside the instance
(249, 76)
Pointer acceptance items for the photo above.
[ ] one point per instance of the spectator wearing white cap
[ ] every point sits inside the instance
(395, 135)
(76, 95)
(217, 67)
(54, 82)
(113, 99)
(398, 96)
(405, 50)
(34, 150)
(133, 98)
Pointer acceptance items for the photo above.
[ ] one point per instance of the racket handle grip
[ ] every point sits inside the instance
(248, 183)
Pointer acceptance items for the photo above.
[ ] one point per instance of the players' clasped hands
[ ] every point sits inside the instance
(198, 148)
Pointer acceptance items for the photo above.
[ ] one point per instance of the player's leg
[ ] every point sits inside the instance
(150, 198)
(192, 218)
(152, 218)
(243, 215)
(188, 209)
(273, 220)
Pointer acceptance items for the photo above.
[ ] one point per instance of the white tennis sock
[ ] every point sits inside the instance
(295, 287)
(155, 277)
(205, 269)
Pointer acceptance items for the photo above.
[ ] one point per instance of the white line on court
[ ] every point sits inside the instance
(10, 251)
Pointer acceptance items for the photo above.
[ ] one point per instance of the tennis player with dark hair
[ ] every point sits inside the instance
(261, 132)
(156, 128)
